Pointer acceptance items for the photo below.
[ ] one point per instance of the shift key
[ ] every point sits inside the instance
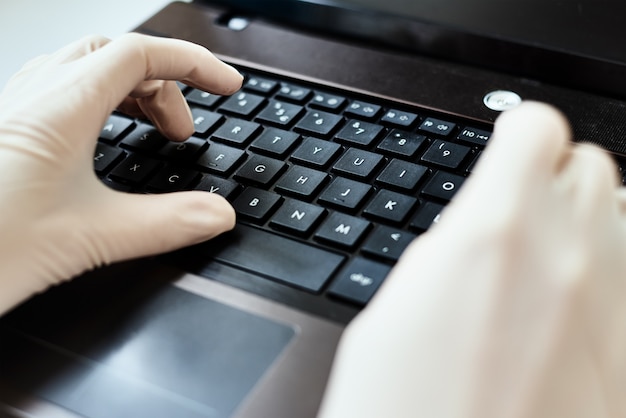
(274, 256)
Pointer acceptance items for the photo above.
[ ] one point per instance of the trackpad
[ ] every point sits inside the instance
(173, 354)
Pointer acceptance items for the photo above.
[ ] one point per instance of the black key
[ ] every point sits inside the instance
(297, 217)
(274, 141)
(342, 230)
(260, 85)
(358, 163)
(220, 158)
(443, 185)
(399, 118)
(105, 157)
(359, 133)
(474, 136)
(318, 123)
(172, 179)
(260, 170)
(387, 243)
(280, 113)
(446, 154)
(242, 104)
(213, 184)
(316, 152)
(359, 280)
(301, 181)
(134, 169)
(144, 138)
(114, 128)
(293, 93)
(256, 204)
(205, 121)
(472, 164)
(401, 143)
(270, 255)
(202, 98)
(345, 193)
(427, 214)
(437, 126)
(326, 101)
(390, 206)
(402, 174)
(184, 151)
(363, 110)
(236, 131)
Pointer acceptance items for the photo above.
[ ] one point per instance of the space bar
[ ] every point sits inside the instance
(275, 257)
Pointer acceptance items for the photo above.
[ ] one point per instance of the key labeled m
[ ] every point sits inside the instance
(343, 229)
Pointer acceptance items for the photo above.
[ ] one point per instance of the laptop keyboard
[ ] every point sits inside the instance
(329, 186)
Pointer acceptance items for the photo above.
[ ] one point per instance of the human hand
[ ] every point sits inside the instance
(58, 220)
(513, 305)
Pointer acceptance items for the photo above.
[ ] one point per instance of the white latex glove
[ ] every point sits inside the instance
(56, 218)
(514, 305)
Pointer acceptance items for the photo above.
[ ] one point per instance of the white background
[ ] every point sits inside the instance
(29, 28)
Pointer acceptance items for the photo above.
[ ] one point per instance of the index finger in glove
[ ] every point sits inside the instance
(120, 66)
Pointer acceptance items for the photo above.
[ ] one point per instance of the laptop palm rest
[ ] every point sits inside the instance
(156, 351)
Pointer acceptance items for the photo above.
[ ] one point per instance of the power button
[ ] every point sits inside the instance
(501, 100)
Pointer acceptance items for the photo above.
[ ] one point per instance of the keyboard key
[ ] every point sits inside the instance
(402, 174)
(387, 243)
(274, 141)
(297, 217)
(427, 214)
(399, 118)
(105, 157)
(401, 143)
(318, 123)
(220, 158)
(345, 193)
(363, 110)
(359, 280)
(184, 151)
(443, 185)
(236, 132)
(437, 126)
(359, 133)
(446, 154)
(326, 101)
(390, 206)
(224, 187)
(358, 163)
(316, 152)
(134, 169)
(293, 93)
(115, 127)
(474, 136)
(256, 204)
(261, 85)
(202, 98)
(261, 252)
(301, 182)
(280, 113)
(260, 170)
(242, 104)
(144, 138)
(205, 121)
(342, 230)
(172, 179)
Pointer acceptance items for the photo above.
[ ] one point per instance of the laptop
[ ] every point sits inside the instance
(357, 122)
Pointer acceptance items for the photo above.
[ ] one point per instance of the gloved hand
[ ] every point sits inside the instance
(56, 218)
(513, 305)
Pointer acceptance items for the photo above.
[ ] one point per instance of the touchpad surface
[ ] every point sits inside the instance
(172, 354)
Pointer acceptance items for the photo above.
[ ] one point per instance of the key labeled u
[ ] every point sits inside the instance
(358, 161)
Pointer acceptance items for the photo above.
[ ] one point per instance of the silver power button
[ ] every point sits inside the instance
(501, 100)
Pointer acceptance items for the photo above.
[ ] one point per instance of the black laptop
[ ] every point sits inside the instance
(357, 123)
